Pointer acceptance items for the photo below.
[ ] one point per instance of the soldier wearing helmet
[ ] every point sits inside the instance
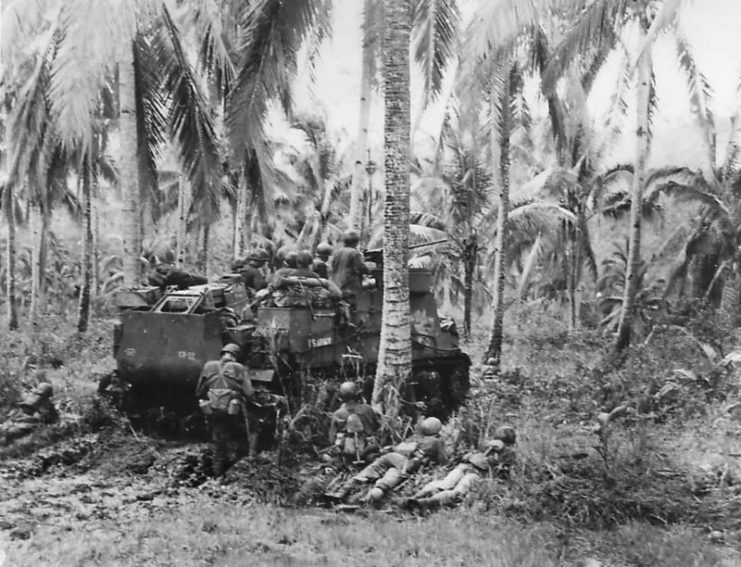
(304, 260)
(252, 271)
(494, 457)
(348, 267)
(391, 469)
(353, 427)
(223, 390)
(34, 409)
(320, 266)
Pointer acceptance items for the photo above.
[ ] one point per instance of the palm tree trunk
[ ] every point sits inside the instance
(729, 300)
(470, 255)
(95, 283)
(395, 349)
(501, 141)
(37, 244)
(129, 169)
(182, 220)
(570, 274)
(361, 148)
(9, 207)
(240, 220)
(87, 245)
(642, 148)
(205, 256)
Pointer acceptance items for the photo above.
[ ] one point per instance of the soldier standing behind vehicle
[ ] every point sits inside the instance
(348, 267)
(320, 265)
(223, 390)
(353, 426)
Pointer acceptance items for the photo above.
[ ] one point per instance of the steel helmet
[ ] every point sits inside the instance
(324, 250)
(305, 259)
(493, 446)
(44, 389)
(292, 259)
(430, 426)
(347, 391)
(259, 255)
(233, 349)
(506, 433)
(351, 237)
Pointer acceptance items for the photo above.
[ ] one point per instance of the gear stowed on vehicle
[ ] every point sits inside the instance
(163, 339)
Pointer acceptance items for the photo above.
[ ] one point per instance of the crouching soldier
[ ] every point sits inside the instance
(495, 458)
(223, 390)
(390, 470)
(35, 408)
(352, 430)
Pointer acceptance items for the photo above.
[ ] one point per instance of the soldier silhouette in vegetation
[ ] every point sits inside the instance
(35, 408)
(353, 427)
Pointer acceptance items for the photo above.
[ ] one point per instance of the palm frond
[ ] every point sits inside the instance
(434, 42)
(701, 93)
(151, 122)
(93, 32)
(190, 119)
(530, 262)
(595, 32)
(216, 28)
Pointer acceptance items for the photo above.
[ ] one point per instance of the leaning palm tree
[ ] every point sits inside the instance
(597, 33)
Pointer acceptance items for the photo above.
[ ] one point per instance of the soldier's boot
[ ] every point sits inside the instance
(220, 459)
(252, 446)
(344, 491)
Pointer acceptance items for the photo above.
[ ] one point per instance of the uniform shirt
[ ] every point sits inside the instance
(320, 267)
(348, 268)
(366, 413)
(252, 278)
(423, 448)
(234, 372)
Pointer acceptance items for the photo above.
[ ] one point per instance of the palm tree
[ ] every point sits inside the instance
(395, 349)
(596, 33)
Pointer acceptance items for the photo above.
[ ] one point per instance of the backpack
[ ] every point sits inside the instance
(222, 398)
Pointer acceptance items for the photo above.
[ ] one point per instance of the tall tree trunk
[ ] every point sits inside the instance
(570, 274)
(129, 177)
(241, 222)
(642, 149)
(204, 253)
(500, 141)
(395, 350)
(9, 206)
(87, 245)
(182, 223)
(730, 296)
(37, 244)
(361, 148)
(470, 255)
(95, 256)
